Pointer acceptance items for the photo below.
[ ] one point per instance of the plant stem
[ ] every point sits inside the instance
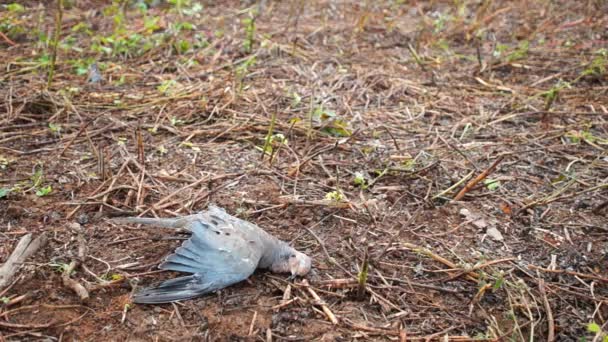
(55, 42)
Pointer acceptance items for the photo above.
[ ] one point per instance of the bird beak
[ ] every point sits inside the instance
(301, 266)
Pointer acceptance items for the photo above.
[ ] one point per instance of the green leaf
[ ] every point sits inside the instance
(56, 129)
(335, 196)
(166, 86)
(3, 162)
(296, 99)
(15, 8)
(491, 184)
(44, 191)
(338, 128)
(359, 179)
(498, 283)
(116, 276)
(4, 192)
(37, 177)
(593, 327)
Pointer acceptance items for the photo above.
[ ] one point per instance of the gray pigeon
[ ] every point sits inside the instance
(223, 250)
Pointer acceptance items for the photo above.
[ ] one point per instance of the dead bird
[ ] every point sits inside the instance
(222, 250)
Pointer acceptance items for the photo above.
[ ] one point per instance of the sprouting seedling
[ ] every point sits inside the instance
(167, 87)
(249, 24)
(60, 267)
(440, 21)
(55, 129)
(41, 192)
(161, 150)
(4, 192)
(552, 94)
(331, 123)
(176, 121)
(185, 7)
(575, 137)
(38, 177)
(272, 144)
(112, 276)
(242, 70)
(4, 162)
(55, 43)
(296, 99)
(596, 329)
(499, 282)
(360, 180)
(491, 184)
(190, 145)
(362, 276)
(520, 52)
(598, 66)
(268, 139)
(334, 196)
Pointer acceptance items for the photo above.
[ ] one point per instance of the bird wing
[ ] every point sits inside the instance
(217, 254)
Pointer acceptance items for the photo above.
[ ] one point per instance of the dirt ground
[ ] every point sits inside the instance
(456, 150)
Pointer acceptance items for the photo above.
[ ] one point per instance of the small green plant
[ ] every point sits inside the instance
(408, 164)
(499, 50)
(575, 137)
(60, 267)
(491, 184)
(190, 145)
(499, 282)
(175, 121)
(360, 180)
(440, 21)
(598, 66)
(5, 300)
(295, 99)
(334, 196)
(249, 24)
(4, 162)
(167, 87)
(54, 128)
(161, 150)
(4, 192)
(112, 276)
(330, 122)
(81, 65)
(41, 192)
(242, 70)
(520, 52)
(15, 8)
(182, 46)
(552, 94)
(362, 276)
(151, 24)
(10, 24)
(597, 330)
(37, 178)
(121, 141)
(55, 43)
(272, 143)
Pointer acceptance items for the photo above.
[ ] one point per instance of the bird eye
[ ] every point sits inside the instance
(292, 256)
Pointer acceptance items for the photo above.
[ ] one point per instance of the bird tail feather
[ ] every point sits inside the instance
(173, 290)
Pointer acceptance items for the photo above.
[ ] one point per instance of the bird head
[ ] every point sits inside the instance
(299, 264)
(292, 261)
